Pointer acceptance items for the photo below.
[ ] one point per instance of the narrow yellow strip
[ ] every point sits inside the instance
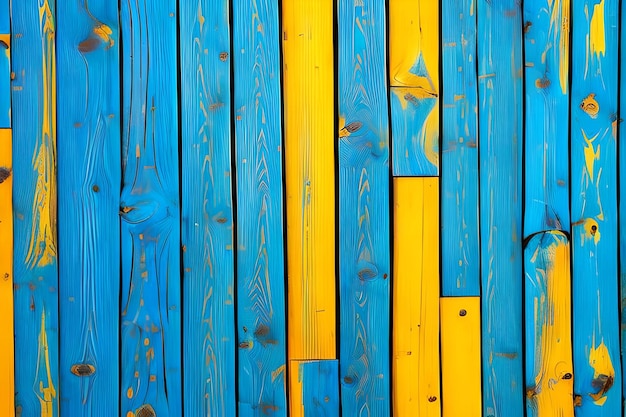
(460, 356)
(309, 165)
(416, 390)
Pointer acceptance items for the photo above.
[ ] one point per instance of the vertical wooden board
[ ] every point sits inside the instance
(314, 388)
(207, 220)
(310, 177)
(33, 102)
(622, 200)
(597, 377)
(5, 79)
(415, 383)
(460, 267)
(547, 309)
(149, 208)
(89, 174)
(5, 16)
(500, 152)
(546, 70)
(363, 208)
(260, 262)
(460, 356)
(7, 393)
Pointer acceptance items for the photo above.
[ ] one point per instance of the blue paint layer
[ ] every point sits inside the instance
(260, 267)
(320, 388)
(207, 220)
(149, 207)
(500, 147)
(594, 206)
(5, 84)
(459, 154)
(89, 174)
(363, 209)
(5, 21)
(622, 203)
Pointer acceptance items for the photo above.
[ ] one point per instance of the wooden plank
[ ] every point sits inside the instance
(364, 244)
(208, 284)
(546, 70)
(597, 377)
(310, 179)
(5, 17)
(548, 349)
(415, 377)
(89, 176)
(314, 388)
(35, 209)
(260, 263)
(460, 356)
(5, 80)
(500, 153)
(149, 207)
(460, 267)
(622, 201)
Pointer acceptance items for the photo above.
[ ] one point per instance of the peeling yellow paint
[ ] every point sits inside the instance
(560, 28)
(591, 154)
(47, 391)
(104, 32)
(592, 231)
(600, 361)
(597, 42)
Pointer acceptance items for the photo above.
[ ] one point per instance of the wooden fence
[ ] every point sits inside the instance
(312, 208)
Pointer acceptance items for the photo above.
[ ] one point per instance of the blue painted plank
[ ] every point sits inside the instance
(597, 377)
(89, 174)
(622, 201)
(500, 148)
(150, 306)
(208, 284)
(314, 388)
(5, 16)
(459, 153)
(546, 71)
(260, 262)
(5, 81)
(364, 247)
(34, 203)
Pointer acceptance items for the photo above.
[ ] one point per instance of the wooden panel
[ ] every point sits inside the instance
(5, 80)
(597, 377)
(622, 201)
(35, 209)
(89, 176)
(548, 350)
(415, 362)
(546, 44)
(260, 261)
(460, 266)
(314, 389)
(149, 208)
(5, 17)
(460, 356)
(310, 180)
(500, 148)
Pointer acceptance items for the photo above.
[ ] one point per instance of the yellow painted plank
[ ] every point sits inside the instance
(309, 165)
(6, 275)
(416, 386)
(414, 44)
(460, 356)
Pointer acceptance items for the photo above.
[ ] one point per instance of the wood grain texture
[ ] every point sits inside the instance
(5, 80)
(547, 310)
(89, 176)
(460, 356)
(364, 246)
(500, 147)
(35, 209)
(314, 389)
(415, 360)
(149, 208)
(310, 177)
(260, 263)
(460, 266)
(7, 384)
(207, 220)
(546, 70)
(597, 374)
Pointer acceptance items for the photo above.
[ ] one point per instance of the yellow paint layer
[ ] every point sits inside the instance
(416, 387)
(309, 165)
(460, 356)
(296, 407)
(414, 44)
(553, 391)
(46, 391)
(603, 371)
(6, 275)
(560, 31)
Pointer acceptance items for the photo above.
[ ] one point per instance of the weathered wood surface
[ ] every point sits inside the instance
(597, 373)
(260, 263)
(35, 272)
(500, 146)
(460, 266)
(149, 208)
(364, 240)
(5, 77)
(314, 388)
